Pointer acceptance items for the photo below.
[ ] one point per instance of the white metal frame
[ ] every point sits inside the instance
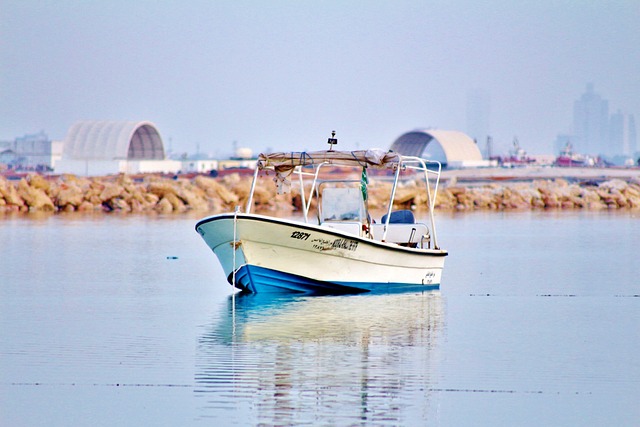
(406, 162)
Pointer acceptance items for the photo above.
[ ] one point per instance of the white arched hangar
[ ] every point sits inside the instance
(112, 147)
(453, 149)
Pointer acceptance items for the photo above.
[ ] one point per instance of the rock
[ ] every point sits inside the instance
(164, 206)
(465, 200)
(531, 196)
(614, 184)
(633, 197)
(117, 204)
(35, 198)
(512, 199)
(454, 191)
(445, 200)
(215, 206)
(193, 199)
(213, 189)
(378, 192)
(227, 196)
(161, 189)
(69, 195)
(177, 205)
(241, 186)
(265, 199)
(136, 205)
(569, 196)
(595, 205)
(406, 194)
(590, 196)
(94, 199)
(110, 191)
(281, 206)
(550, 200)
(86, 206)
(124, 180)
(39, 182)
(10, 194)
(151, 199)
(484, 199)
(135, 196)
(203, 193)
(613, 199)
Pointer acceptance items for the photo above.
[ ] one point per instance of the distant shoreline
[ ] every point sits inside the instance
(532, 173)
(460, 190)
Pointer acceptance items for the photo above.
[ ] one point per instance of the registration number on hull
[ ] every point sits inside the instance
(324, 244)
(300, 235)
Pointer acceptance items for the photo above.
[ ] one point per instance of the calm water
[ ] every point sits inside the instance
(127, 320)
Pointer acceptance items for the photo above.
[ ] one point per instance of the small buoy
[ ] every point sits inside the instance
(172, 257)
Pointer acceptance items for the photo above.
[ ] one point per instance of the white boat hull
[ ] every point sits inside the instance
(278, 255)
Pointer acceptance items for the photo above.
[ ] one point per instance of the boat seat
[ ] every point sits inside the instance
(402, 234)
(400, 217)
(353, 227)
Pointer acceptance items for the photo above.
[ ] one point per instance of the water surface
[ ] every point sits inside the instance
(127, 320)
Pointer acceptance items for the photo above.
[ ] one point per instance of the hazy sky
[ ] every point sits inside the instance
(283, 74)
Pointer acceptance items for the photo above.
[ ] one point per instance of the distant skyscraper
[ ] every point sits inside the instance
(591, 123)
(622, 134)
(478, 114)
(634, 149)
(618, 144)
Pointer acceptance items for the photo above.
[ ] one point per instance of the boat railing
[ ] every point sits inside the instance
(421, 165)
(301, 173)
(252, 190)
(430, 169)
(315, 175)
(315, 186)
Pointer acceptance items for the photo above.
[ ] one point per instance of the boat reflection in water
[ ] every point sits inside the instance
(332, 360)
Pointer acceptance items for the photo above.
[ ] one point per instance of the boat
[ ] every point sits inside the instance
(517, 157)
(340, 248)
(568, 158)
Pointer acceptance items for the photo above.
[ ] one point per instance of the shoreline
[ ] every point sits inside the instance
(460, 190)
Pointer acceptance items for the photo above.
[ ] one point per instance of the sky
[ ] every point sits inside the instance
(282, 74)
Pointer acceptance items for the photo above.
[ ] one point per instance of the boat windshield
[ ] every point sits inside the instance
(342, 204)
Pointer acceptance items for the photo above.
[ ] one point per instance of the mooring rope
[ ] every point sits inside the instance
(235, 233)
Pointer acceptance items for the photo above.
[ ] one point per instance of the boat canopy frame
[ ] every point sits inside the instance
(286, 164)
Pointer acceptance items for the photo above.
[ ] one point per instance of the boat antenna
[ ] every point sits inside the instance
(332, 141)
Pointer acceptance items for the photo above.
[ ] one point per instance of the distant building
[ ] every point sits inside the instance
(634, 148)
(198, 165)
(34, 152)
(111, 147)
(618, 144)
(478, 118)
(622, 134)
(596, 133)
(453, 149)
(591, 123)
(242, 158)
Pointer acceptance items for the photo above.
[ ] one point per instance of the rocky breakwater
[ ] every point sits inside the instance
(122, 193)
(538, 194)
(152, 193)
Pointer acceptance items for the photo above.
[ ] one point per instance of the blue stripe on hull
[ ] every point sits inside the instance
(251, 278)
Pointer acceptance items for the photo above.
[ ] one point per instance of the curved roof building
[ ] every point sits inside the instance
(94, 148)
(452, 148)
(113, 140)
